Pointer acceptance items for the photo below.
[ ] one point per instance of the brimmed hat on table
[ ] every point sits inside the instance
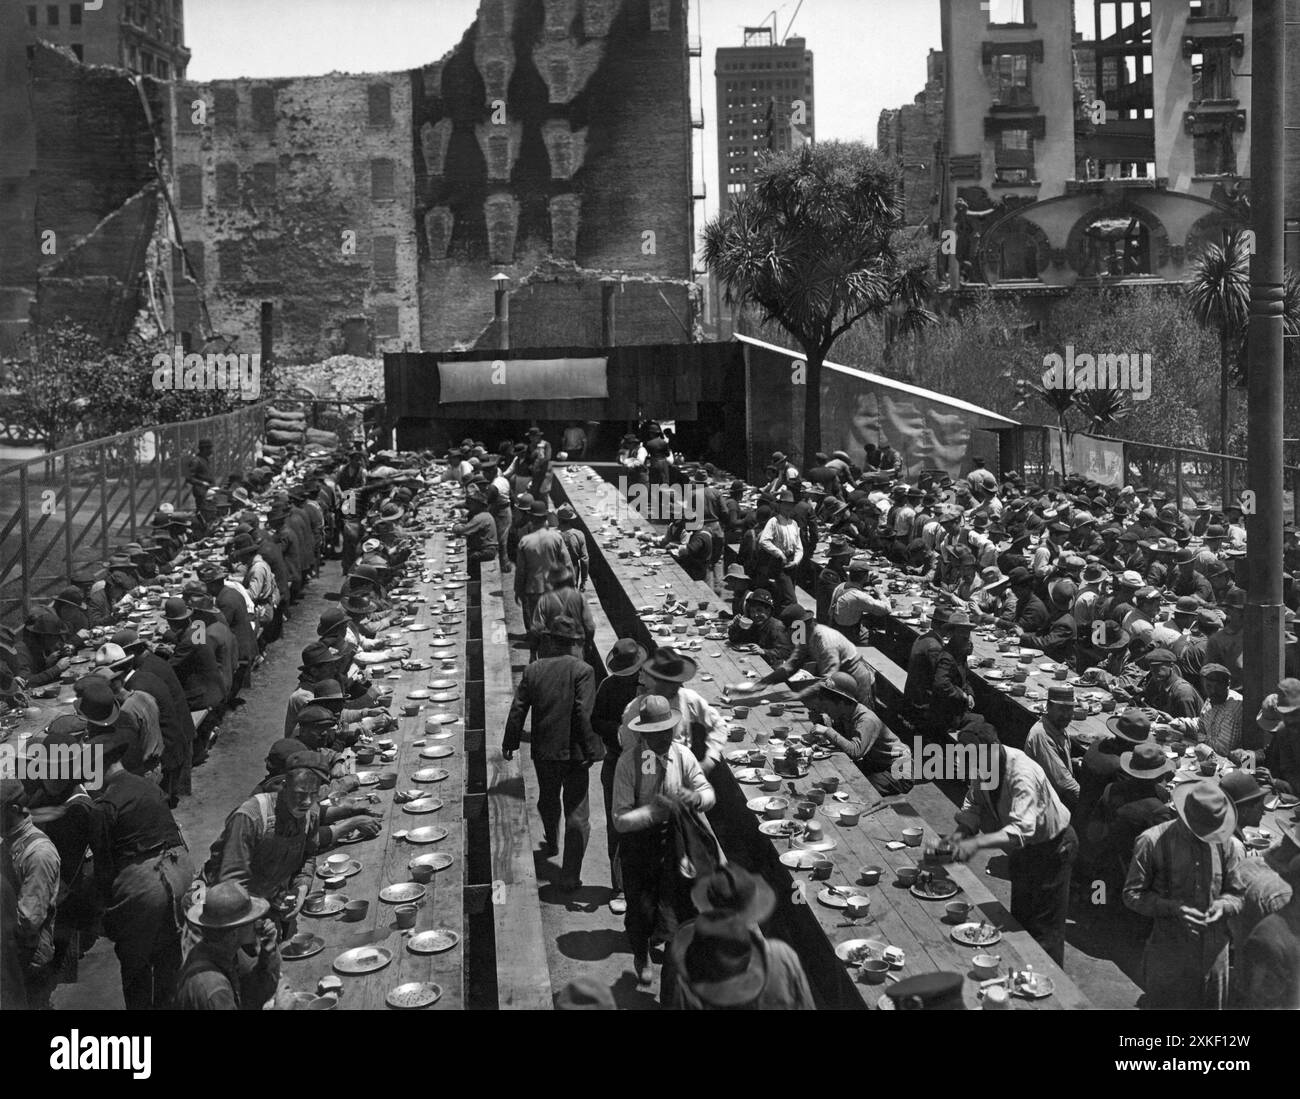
(1146, 760)
(226, 905)
(625, 658)
(1206, 810)
(732, 891)
(1132, 725)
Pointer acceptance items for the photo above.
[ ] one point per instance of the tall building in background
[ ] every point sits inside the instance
(373, 211)
(143, 36)
(765, 101)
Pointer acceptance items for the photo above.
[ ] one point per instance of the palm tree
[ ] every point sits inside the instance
(1218, 298)
(1103, 407)
(1060, 399)
(813, 245)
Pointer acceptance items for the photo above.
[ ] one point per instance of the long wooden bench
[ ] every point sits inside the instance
(523, 974)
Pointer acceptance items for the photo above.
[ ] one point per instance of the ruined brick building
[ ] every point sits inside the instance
(552, 144)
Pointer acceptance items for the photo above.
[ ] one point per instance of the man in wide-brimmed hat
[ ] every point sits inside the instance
(656, 780)
(541, 549)
(559, 690)
(780, 545)
(819, 649)
(1137, 799)
(139, 710)
(214, 976)
(619, 687)
(1280, 718)
(1049, 745)
(233, 603)
(563, 598)
(666, 673)
(831, 576)
(736, 582)
(1185, 877)
(40, 655)
(725, 962)
(858, 601)
(860, 734)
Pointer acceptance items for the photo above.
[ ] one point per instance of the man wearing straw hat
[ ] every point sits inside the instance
(1185, 877)
(656, 777)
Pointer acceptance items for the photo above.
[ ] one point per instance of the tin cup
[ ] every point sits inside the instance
(821, 869)
(406, 914)
(422, 872)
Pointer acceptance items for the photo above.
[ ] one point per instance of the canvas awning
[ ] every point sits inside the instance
(523, 380)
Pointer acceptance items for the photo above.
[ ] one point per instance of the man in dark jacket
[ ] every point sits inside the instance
(40, 656)
(759, 627)
(921, 664)
(154, 676)
(232, 606)
(1057, 640)
(616, 690)
(1031, 615)
(831, 577)
(559, 689)
(195, 665)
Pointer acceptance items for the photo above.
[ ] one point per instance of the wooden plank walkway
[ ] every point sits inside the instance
(898, 917)
(523, 976)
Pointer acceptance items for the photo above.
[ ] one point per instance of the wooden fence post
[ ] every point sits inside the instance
(25, 526)
(67, 515)
(103, 498)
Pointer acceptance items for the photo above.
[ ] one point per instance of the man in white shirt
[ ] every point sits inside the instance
(1219, 722)
(780, 540)
(702, 728)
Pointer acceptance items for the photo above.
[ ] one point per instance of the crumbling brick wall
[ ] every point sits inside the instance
(556, 129)
(80, 222)
(300, 192)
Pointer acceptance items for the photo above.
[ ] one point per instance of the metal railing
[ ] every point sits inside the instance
(1185, 473)
(66, 510)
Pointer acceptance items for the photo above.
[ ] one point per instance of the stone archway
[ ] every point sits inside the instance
(1015, 248)
(1120, 240)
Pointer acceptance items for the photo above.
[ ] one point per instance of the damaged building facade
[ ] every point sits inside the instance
(551, 145)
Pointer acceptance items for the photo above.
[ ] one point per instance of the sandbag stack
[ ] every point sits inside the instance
(288, 427)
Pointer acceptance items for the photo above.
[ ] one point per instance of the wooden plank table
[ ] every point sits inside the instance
(897, 916)
(384, 858)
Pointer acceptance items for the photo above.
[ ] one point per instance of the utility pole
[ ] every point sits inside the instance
(948, 234)
(1263, 665)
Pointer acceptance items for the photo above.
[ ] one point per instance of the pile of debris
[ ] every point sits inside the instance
(339, 375)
